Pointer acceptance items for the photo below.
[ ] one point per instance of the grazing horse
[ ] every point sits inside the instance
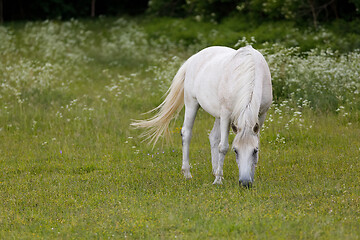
(234, 86)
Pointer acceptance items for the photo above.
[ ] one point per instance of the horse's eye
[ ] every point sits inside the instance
(256, 150)
(236, 152)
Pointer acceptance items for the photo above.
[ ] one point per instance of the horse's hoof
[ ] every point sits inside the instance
(187, 174)
(245, 184)
(218, 181)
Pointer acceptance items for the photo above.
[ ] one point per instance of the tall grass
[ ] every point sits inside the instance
(73, 168)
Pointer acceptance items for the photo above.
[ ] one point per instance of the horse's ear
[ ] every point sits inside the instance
(234, 128)
(256, 128)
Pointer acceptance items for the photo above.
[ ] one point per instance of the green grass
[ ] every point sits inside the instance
(72, 168)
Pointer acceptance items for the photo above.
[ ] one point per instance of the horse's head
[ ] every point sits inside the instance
(246, 148)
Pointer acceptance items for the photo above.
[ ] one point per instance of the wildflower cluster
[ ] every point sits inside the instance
(286, 117)
(323, 77)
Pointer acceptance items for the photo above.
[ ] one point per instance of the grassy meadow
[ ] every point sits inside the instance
(73, 168)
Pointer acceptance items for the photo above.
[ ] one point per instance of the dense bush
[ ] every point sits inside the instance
(63, 9)
(297, 10)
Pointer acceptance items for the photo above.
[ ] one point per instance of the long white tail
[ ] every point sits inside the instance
(167, 110)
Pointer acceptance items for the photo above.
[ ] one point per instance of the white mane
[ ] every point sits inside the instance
(246, 105)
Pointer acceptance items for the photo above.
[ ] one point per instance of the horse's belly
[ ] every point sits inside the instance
(212, 107)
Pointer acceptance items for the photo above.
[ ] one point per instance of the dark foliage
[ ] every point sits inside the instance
(303, 11)
(65, 9)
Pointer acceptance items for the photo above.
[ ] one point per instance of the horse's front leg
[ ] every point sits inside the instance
(223, 147)
(186, 133)
(214, 138)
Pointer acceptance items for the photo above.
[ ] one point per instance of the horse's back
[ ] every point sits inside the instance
(210, 76)
(208, 57)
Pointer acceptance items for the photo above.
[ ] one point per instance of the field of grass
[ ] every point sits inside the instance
(72, 168)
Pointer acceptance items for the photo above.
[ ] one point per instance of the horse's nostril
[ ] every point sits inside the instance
(245, 184)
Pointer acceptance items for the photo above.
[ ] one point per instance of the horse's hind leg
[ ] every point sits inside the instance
(191, 108)
(214, 138)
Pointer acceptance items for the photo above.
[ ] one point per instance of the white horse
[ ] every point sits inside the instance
(234, 86)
